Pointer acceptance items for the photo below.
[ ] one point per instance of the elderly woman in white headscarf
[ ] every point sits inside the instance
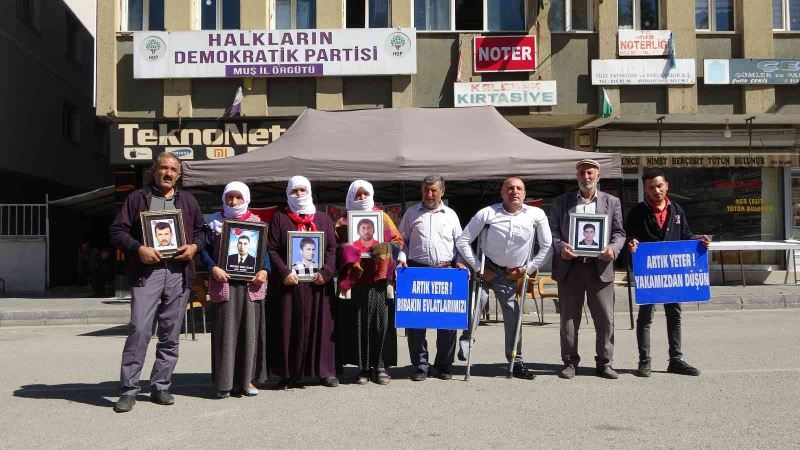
(365, 323)
(299, 312)
(238, 339)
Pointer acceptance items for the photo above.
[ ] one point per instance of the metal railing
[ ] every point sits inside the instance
(23, 220)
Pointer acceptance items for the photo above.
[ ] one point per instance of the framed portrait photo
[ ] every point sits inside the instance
(163, 230)
(305, 253)
(588, 233)
(364, 230)
(241, 249)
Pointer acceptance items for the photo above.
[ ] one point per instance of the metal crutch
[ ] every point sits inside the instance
(521, 301)
(475, 299)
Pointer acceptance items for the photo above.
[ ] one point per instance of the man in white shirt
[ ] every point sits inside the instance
(507, 230)
(429, 231)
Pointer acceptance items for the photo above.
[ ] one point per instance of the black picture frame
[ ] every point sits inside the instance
(240, 235)
(589, 234)
(156, 225)
(295, 242)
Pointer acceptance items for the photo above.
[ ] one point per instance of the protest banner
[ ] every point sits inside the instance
(432, 298)
(671, 272)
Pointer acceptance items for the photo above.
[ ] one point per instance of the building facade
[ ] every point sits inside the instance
(729, 142)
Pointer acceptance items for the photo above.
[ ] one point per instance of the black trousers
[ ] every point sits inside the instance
(673, 313)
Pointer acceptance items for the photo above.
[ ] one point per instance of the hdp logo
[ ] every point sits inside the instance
(398, 44)
(153, 48)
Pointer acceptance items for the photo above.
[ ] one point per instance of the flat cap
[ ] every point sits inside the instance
(589, 162)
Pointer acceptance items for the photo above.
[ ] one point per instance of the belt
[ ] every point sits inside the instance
(495, 267)
(443, 265)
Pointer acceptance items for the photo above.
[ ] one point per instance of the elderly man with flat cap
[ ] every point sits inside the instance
(579, 276)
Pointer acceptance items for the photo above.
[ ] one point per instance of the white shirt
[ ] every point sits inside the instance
(429, 236)
(584, 206)
(508, 240)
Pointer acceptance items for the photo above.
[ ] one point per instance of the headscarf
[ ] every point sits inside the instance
(360, 205)
(231, 212)
(300, 205)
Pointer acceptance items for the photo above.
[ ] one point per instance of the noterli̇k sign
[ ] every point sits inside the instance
(283, 53)
(505, 53)
(643, 42)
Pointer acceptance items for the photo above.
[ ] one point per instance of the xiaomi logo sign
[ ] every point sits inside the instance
(219, 152)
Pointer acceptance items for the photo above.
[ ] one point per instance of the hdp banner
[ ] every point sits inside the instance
(671, 272)
(432, 298)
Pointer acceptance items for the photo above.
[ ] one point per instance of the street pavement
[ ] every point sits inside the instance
(58, 385)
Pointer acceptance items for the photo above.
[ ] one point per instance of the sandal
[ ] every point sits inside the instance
(382, 377)
(363, 377)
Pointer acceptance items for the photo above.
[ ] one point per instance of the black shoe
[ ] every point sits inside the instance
(606, 372)
(567, 372)
(644, 369)
(162, 397)
(445, 373)
(522, 372)
(329, 381)
(419, 375)
(681, 367)
(124, 404)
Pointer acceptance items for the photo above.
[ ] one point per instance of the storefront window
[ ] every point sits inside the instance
(219, 14)
(506, 15)
(643, 13)
(570, 15)
(145, 15)
(432, 14)
(295, 14)
(732, 204)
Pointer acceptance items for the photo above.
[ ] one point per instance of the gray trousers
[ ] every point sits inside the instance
(164, 296)
(583, 279)
(503, 289)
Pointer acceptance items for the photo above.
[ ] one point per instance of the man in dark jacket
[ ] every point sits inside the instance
(658, 219)
(159, 287)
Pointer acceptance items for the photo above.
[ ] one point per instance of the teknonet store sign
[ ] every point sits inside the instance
(751, 71)
(706, 161)
(643, 42)
(141, 142)
(504, 53)
(505, 93)
(642, 72)
(290, 53)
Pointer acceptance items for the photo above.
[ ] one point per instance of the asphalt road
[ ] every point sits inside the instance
(58, 384)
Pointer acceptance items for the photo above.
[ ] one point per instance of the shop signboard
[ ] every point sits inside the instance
(751, 71)
(643, 42)
(504, 53)
(505, 93)
(141, 142)
(694, 160)
(642, 72)
(274, 53)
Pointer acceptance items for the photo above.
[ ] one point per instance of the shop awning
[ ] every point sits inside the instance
(93, 203)
(399, 144)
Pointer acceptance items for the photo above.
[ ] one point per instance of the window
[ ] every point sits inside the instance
(295, 14)
(469, 15)
(219, 14)
(786, 15)
(73, 38)
(571, 15)
(714, 15)
(638, 14)
(28, 12)
(144, 15)
(71, 123)
(367, 13)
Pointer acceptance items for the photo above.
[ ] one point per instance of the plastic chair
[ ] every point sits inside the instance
(198, 298)
(549, 293)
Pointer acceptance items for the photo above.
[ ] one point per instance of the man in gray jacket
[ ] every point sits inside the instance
(580, 276)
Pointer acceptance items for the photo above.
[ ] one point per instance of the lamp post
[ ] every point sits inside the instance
(749, 121)
(660, 121)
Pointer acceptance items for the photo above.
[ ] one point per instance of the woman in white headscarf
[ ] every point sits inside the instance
(238, 339)
(365, 323)
(300, 319)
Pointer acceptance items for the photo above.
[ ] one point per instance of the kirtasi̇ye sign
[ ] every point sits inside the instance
(642, 72)
(643, 42)
(432, 298)
(694, 160)
(671, 272)
(505, 93)
(505, 53)
(286, 53)
(141, 142)
(751, 71)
